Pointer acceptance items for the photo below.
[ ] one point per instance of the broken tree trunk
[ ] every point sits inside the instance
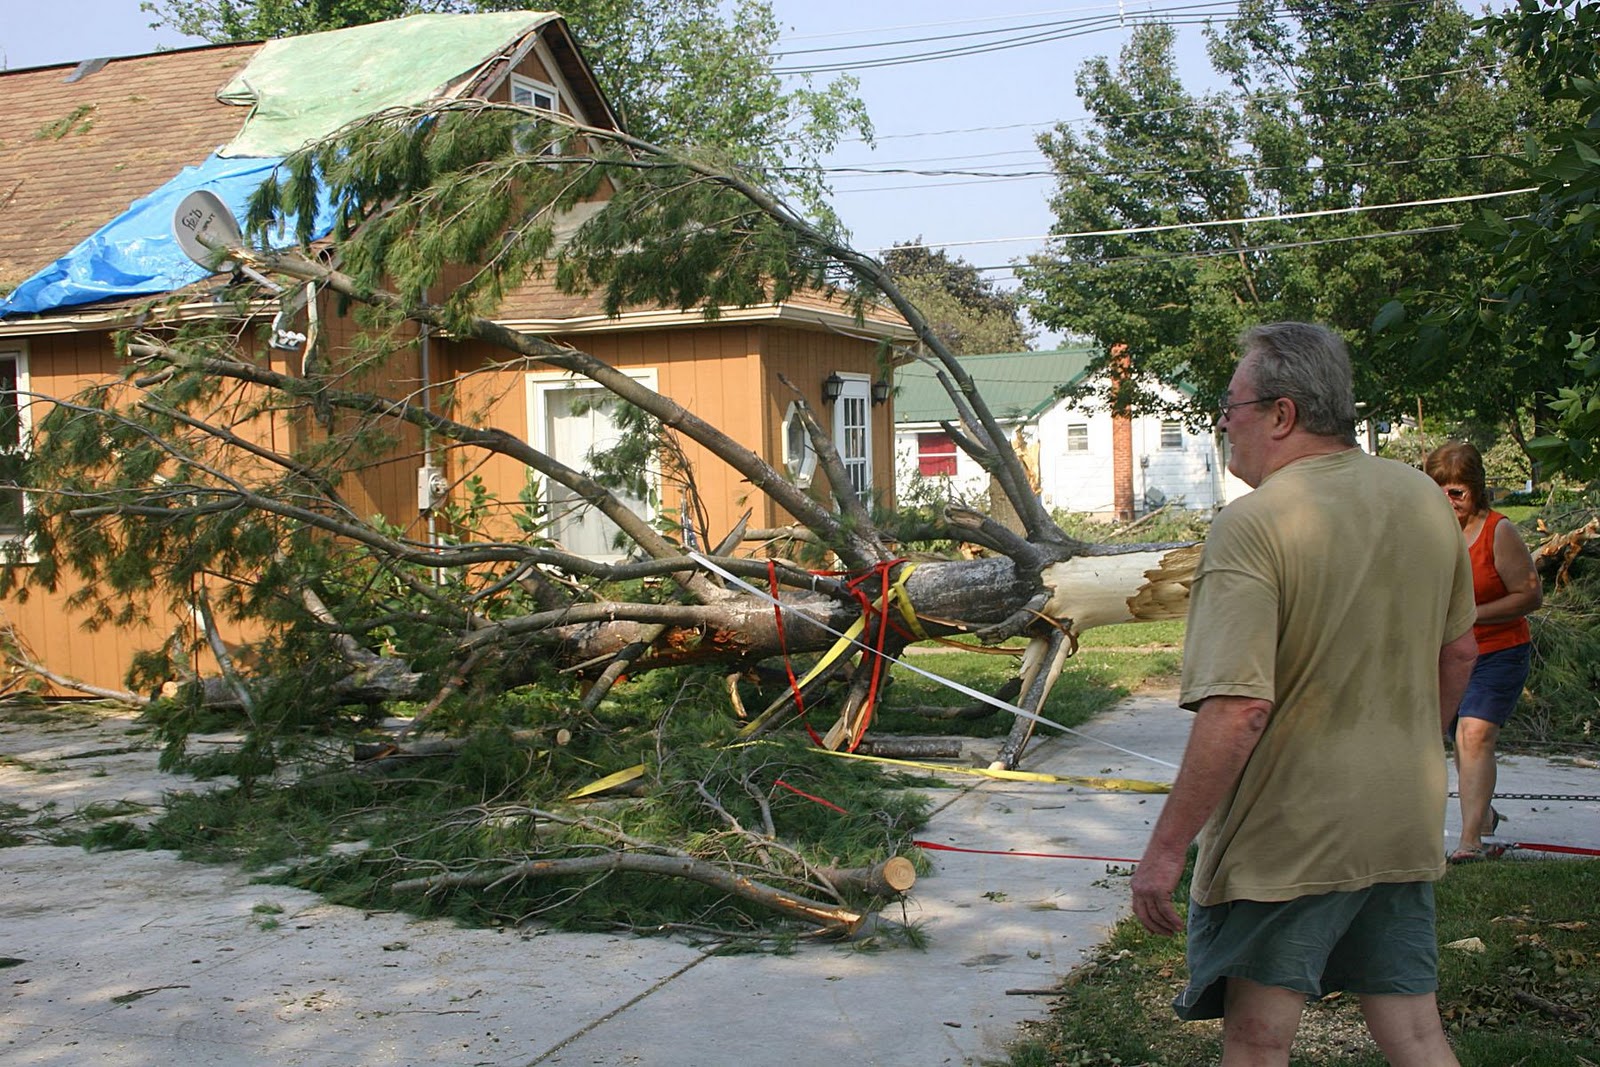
(1041, 666)
(1555, 555)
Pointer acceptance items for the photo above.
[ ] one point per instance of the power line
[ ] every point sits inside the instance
(951, 22)
(984, 177)
(1194, 104)
(1055, 24)
(1042, 37)
(1279, 246)
(1207, 223)
(1043, 32)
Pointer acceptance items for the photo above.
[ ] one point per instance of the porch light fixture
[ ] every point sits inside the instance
(832, 386)
(880, 391)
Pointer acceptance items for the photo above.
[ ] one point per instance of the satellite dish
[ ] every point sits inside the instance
(202, 224)
(1154, 498)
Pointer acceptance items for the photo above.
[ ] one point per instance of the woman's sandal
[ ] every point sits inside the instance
(1495, 819)
(1467, 855)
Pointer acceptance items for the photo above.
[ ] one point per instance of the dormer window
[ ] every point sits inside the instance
(525, 92)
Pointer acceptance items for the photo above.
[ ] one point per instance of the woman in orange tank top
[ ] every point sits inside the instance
(1507, 589)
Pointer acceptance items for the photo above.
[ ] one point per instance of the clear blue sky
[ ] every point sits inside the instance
(1002, 98)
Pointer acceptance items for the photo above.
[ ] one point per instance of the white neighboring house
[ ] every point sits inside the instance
(1085, 460)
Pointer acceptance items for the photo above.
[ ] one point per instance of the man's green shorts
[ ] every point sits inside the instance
(1378, 940)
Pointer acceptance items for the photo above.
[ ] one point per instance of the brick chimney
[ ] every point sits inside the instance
(1121, 441)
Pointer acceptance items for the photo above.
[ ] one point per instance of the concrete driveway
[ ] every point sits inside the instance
(140, 958)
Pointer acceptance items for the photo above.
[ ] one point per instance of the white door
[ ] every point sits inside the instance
(852, 431)
(572, 421)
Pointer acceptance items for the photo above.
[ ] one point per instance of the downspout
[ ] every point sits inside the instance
(425, 333)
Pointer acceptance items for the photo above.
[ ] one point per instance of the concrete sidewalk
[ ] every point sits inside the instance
(139, 958)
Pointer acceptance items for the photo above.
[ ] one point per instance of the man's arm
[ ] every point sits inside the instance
(1225, 732)
(1455, 670)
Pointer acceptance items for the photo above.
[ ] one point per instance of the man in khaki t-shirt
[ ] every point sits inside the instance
(1329, 640)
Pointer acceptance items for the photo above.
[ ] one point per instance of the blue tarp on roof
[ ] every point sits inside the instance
(136, 254)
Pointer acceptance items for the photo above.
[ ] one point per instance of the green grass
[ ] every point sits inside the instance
(1128, 658)
(1528, 999)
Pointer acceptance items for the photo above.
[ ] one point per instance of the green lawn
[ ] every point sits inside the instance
(1528, 998)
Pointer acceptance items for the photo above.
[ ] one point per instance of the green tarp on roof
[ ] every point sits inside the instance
(1015, 385)
(302, 89)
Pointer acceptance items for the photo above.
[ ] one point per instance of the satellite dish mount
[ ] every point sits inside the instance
(204, 226)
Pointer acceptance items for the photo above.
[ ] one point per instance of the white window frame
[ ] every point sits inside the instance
(1077, 437)
(539, 385)
(532, 87)
(855, 397)
(1176, 426)
(799, 457)
(17, 351)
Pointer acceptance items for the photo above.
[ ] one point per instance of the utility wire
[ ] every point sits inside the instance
(1024, 41)
(1194, 104)
(982, 177)
(1081, 9)
(1232, 8)
(1280, 246)
(1191, 14)
(1206, 223)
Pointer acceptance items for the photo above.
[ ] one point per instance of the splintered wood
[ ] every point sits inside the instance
(1559, 551)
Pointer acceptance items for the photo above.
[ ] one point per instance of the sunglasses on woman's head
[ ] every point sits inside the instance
(1455, 492)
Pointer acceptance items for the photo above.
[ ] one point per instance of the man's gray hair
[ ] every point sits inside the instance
(1310, 365)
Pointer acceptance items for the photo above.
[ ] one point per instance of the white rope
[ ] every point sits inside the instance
(908, 665)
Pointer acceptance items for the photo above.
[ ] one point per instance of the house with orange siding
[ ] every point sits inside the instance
(92, 155)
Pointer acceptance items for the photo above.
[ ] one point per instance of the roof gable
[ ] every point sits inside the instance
(299, 89)
(1015, 385)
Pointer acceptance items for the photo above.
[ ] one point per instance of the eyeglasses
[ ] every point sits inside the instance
(1227, 406)
(1455, 492)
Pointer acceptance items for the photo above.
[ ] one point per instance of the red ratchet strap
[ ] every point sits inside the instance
(856, 586)
(809, 796)
(783, 646)
(1570, 850)
(881, 571)
(1031, 855)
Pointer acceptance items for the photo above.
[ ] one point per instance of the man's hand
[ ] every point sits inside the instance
(1153, 884)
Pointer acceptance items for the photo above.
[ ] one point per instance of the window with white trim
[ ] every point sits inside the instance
(13, 438)
(1171, 435)
(525, 92)
(852, 431)
(1077, 437)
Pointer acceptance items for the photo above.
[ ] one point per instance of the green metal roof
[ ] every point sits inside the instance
(1015, 385)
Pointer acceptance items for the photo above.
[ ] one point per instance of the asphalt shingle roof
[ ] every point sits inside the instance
(76, 154)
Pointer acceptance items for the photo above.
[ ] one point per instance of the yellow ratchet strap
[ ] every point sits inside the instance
(610, 781)
(1110, 785)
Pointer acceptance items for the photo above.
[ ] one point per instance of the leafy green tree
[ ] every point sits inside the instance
(970, 313)
(1339, 108)
(1157, 159)
(1525, 325)
(221, 21)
